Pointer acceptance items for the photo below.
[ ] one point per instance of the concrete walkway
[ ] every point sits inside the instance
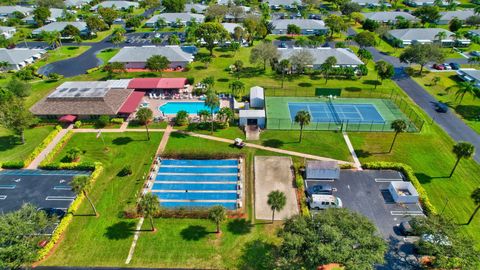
(352, 151)
(34, 164)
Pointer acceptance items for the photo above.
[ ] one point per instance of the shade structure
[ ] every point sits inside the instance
(67, 118)
(157, 83)
(132, 102)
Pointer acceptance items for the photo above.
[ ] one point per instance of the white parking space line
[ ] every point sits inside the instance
(7, 186)
(406, 213)
(62, 188)
(387, 179)
(3, 197)
(59, 198)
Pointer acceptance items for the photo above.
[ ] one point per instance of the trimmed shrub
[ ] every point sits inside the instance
(102, 121)
(191, 80)
(117, 121)
(78, 124)
(49, 158)
(13, 165)
(127, 170)
(408, 172)
(42, 145)
(72, 155)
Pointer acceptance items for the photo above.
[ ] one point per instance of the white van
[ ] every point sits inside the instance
(316, 201)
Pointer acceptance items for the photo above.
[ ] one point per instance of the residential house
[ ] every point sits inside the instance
(237, 16)
(136, 57)
(76, 3)
(59, 26)
(462, 15)
(307, 26)
(9, 11)
(287, 4)
(419, 3)
(345, 57)
(18, 58)
(55, 14)
(473, 33)
(118, 5)
(175, 19)
(389, 16)
(230, 27)
(372, 3)
(195, 8)
(405, 37)
(7, 32)
(470, 75)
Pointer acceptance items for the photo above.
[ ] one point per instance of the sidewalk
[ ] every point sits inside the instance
(48, 149)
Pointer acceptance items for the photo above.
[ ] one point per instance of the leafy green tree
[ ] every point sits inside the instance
(422, 54)
(95, 24)
(217, 214)
(225, 114)
(464, 88)
(15, 116)
(72, 155)
(102, 121)
(276, 201)
(237, 68)
(77, 39)
(327, 67)
(237, 87)
(300, 60)
(303, 119)
(398, 126)
(293, 29)
(173, 40)
(144, 116)
(211, 32)
(118, 36)
(473, 21)
(263, 53)
(462, 150)
(238, 33)
(336, 24)
(427, 14)
(475, 196)
(114, 67)
(350, 7)
(161, 23)
(18, 88)
(251, 25)
(440, 36)
(209, 82)
(108, 15)
(149, 205)
(41, 15)
(216, 12)
(181, 119)
(370, 25)
(134, 22)
(80, 185)
(212, 102)
(70, 31)
(384, 70)
(157, 63)
(308, 242)
(455, 24)
(235, 46)
(204, 115)
(357, 17)
(364, 55)
(284, 66)
(53, 38)
(365, 39)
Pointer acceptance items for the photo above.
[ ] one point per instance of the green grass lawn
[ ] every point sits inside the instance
(12, 150)
(106, 54)
(231, 132)
(61, 53)
(468, 109)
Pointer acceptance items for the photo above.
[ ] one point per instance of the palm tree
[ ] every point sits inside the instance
(144, 116)
(398, 126)
(237, 87)
(284, 65)
(441, 36)
(327, 66)
(303, 119)
(212, 102)
(465, 88)
(225, 114)
(77, 39)
(173, 40)
(4, 65)
(79, 185)
(473, 60)
(53, 38)
(476, 10)
(217, 214)
(204, 115)
(476, 200)
(462, 150)
(276, 201)
(149, 205)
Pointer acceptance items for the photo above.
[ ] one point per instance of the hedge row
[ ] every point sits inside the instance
(13, 165)
(82, 166)
(42, 145)
(42, 253)
(299, 183)
(410, 175)
(49, 158)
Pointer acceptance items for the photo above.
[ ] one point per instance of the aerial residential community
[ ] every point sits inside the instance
(238, 134)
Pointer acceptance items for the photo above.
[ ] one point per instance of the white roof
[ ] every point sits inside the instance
(230, 27)
(256, 91)
(172, 17)
(117, 4)
(418, 33)
(343, 56)
(385, 16)
(302, 23)
(54, 14)
(7, 29)
(11, 9)
(252, 113)
(18, 55)
(460, 14)
(59, 26)
(141, 54)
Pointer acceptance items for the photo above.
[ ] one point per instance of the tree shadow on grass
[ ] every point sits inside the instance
(469, 112)
(226, 55)
(8, 142)
(239, 226)
(371, 82)
(353, 89)
(120, 230)
(194, 233)
(273, 143)
(257, 254)
(424, 178)
(223, 80)
(122, 140)
(305, 84)
(178, 135)
(248, 72)
(362, 153)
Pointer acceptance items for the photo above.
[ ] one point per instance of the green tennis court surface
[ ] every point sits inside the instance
(348, 114)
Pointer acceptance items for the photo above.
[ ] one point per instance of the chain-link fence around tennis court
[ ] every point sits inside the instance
(390, 105)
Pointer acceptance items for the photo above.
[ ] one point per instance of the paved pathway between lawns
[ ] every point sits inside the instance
(34, 164)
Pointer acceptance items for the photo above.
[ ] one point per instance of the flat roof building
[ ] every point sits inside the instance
(136, 57)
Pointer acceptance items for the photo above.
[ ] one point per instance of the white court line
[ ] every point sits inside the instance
(406, 213)
(59, 198)
(387, 179)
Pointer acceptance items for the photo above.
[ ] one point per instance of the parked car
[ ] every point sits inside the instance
(475, 53)
(282, 45)
(447, 66)
(318, 202)
(438, 67)
(320, 189)
(405, 228)
(455, 66)
(146, 35)
(51, 212)
(441, 107)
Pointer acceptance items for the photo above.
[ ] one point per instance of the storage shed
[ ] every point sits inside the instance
(403, 192)
(257, 97)
(322, 170)
(252, 117)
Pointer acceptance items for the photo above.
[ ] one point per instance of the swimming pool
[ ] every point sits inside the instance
(190, 107)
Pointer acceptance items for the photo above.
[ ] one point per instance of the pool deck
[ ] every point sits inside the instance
(154, 104)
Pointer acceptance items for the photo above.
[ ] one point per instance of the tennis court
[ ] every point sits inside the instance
(197, 183)
(347, 114)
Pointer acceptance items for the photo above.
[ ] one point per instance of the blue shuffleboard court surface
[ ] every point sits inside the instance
(336, 112)
(197, 183)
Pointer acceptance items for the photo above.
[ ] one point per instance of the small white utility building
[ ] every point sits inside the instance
(252, 118)
(257, 97)
(403, 192)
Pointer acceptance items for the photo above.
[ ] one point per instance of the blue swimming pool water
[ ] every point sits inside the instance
(337, 112)
(230, 206)
(197, 178)
(189, 107)
(197, 162)
(196, 195)
(199, 186)
(208, 170)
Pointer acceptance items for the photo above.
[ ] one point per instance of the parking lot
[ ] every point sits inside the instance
(44, 189)
(366, 192)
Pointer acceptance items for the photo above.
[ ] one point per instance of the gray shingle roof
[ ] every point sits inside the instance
(141, 54)
(59, 26)
(6, 29)
(54, 14)
(283, 2)
(199, 8)
(371, 2)
(230, 27)
(302, 23)
(343, 56)
(18, 55)
(472, 73)
(73, 3)
(460, 14)
(418, 33)
(117, 4)
(388, 16)
(11, 9)
(172, 17)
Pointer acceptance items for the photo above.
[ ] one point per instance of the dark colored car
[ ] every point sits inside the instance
(455, 66)
(441, 107)
(320, 189)
(283, 45)
(146, 35)
(405, 228)
(51, 212)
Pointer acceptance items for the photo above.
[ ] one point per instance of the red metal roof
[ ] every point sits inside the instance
(131, 104)
(67, 118)
(157, 83)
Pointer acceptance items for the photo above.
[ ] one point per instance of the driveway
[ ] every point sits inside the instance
(274, 173)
